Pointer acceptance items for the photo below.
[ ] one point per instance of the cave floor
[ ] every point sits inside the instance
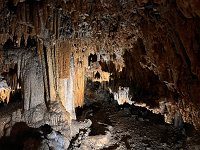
(126, 127)
(129, 128)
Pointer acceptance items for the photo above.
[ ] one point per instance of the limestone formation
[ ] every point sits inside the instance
(146, 52)
(4, 90)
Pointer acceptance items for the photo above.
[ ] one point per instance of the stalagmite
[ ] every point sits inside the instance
(29, 72)
(33, 84)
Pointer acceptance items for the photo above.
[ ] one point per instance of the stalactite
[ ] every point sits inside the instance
(54, 64)
(50, 19)
(41, 20)
(18, 13)
(4, 91)
(79, 72)
(39, 47)
(122, 95)
(13, 81)
(23, 13)
(69, 90)
(54, 21)
(79, 87)
(50, 74)
(36, 20)
(27, 13)
(64, 59)
(58, 23)
(45, 15)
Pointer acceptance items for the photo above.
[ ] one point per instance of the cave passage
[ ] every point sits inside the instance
(113, 127)
(99, 74)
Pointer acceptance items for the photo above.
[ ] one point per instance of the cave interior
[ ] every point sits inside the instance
(99, 74)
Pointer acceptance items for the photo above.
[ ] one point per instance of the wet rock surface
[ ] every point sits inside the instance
(131, 127)
(23, 137)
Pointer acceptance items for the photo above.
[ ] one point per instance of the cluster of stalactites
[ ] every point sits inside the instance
(4, 90)
(8, 78)
(122, 95)
(71, 61)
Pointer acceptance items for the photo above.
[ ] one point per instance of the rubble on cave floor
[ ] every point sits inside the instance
(129, 127)
(114, 127)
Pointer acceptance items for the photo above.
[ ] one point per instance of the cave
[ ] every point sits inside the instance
(92, 58)
(99, 75)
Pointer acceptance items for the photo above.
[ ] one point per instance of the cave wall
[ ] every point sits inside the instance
(152, 47)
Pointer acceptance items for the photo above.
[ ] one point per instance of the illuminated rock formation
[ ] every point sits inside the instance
(122, 96)
(4, 90)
